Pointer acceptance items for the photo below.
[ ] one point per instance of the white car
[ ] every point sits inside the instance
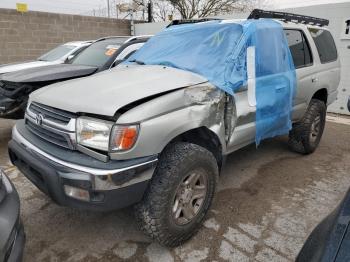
(58, 55)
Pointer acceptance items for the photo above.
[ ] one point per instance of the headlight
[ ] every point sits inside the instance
(124, 137)
(94, 133)
(104, 135)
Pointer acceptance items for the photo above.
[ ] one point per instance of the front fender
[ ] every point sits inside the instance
(157, 131)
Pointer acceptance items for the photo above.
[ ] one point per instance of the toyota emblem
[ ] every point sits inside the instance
(39, 119)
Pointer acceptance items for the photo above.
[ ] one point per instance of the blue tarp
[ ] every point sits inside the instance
(217, 51)
(275, 79)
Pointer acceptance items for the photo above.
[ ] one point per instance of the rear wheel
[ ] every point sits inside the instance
(306, 135)
(179, 195)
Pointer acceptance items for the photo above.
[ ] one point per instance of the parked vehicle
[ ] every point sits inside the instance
(103, 54)
(156, 136)
(330, 240)
(12, 237)
(58, 55)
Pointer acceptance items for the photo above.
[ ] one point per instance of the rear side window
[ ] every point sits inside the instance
(325, 45)
(299, 48)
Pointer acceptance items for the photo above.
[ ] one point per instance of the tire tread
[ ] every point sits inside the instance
(299, 135)
(150, 213)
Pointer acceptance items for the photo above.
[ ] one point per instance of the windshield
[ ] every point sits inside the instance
(56, 53)
(99, 53)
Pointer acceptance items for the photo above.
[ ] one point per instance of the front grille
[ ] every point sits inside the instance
(51, 124)
(53, 114)
(48, 135)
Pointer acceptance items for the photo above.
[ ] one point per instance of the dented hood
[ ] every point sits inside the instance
(49, 73)
(106, 92)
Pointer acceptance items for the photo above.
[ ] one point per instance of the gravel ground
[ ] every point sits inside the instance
(269, 200)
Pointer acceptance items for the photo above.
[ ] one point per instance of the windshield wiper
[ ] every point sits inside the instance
(137, 62)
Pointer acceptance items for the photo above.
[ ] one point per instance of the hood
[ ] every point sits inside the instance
(106, 92)
(49, 73)
(20, 66)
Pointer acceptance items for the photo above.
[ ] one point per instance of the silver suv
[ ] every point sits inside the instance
(156, 136)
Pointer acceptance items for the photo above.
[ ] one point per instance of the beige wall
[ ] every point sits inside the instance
(27, 36)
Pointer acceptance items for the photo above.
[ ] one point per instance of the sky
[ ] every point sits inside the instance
(57, 6)
(296, 3)
(86, 6)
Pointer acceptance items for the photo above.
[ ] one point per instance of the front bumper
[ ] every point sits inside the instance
(12, 237)
(17, 248)
(108, 189)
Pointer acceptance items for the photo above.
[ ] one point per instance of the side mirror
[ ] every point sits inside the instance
(251, 75)
(70, 57)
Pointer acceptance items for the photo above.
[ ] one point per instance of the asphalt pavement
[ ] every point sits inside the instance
(269, 200)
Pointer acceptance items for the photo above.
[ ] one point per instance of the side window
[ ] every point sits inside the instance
(131, 48)
(299, 48)
(128, 55)
(325, 45)
(117, 62)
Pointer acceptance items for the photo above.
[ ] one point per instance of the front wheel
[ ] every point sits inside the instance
(306, 135)
(179, 195)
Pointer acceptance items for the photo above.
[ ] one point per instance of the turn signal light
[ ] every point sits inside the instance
(124, 137)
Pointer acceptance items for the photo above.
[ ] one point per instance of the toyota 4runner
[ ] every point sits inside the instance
(157, 136)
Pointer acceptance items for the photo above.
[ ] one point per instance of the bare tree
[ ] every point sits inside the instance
(142, 4)
(203, 8)
(162, 9)
(187, 9)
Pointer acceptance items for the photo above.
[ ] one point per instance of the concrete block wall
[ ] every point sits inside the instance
(26, 36)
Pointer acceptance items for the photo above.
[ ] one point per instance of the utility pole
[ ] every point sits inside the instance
(150, 11)
(132, 24)
(108, 9)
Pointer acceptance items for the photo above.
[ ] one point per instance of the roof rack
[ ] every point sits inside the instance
(190, 21)
(288, 17)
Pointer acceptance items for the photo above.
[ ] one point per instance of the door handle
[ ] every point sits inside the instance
(314, 79)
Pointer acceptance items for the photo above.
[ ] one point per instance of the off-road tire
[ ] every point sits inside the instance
(299, 136)
(154, 212)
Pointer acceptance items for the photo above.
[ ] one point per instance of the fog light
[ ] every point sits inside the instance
(77, 193)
